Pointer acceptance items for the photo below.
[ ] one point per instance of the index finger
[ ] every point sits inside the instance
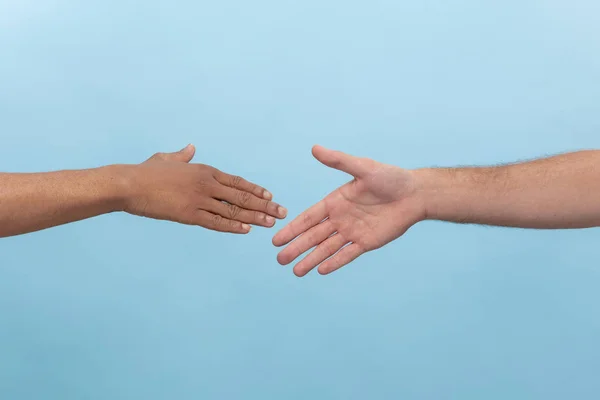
(303, 222)
(237, 182)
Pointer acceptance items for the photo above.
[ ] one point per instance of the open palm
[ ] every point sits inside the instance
(365, 214)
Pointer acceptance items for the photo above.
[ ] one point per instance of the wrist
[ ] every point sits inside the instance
(430, 185)
(119, 182)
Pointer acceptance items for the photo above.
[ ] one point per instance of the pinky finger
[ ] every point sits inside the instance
(218, 223)
(345, 256)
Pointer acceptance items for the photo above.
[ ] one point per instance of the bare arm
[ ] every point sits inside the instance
(31, 202)
(556, 192)
(383, 201)
(164, 187)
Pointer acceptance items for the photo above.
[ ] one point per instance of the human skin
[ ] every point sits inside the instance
(166, 187)
(383, 201)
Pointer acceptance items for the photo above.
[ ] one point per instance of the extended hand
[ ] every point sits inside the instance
(376, 207)
(168, 187)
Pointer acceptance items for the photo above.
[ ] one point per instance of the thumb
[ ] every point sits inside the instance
(184, 155)
(352, 165)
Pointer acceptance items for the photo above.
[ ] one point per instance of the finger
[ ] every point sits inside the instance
(307, 240)
(345, 256)
(323, 251)
(218, 223)
(352, 165)
(237, 182)
(184, 155)
(248, 201)
(301, 224)
(237, 213)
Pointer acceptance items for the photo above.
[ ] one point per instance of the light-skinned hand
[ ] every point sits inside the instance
(371, 210)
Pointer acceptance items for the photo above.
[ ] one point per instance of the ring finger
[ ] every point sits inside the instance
(231, 211)
(307, 240)
(323, 251)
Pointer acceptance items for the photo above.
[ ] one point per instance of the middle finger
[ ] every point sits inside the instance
(248, 201)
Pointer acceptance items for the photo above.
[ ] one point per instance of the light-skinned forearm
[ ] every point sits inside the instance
(31, 202)
(552, 193)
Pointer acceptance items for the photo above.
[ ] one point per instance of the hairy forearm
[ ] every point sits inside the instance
(552, 193)
(31, 202)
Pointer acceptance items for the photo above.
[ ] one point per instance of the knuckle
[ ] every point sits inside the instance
(234, 211)
(244, 197)
(258, 216)
(235, 181)
(264, 204)
(216, 221)
(329, 247)
(208, 170)
(336, 159)
(307, 219)
(158, 156)
(367, 162)
(311, 238)
(188, 209)
(294, 251)
(201, 188)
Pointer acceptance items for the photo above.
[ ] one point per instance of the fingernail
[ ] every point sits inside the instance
(267, 195)
(270, 220)
(282, 211)
(246, 227)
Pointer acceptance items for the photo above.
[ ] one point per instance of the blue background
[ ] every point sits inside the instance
(125, 308)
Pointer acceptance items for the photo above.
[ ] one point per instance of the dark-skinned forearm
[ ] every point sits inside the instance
(552, 193)
(31, 202)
